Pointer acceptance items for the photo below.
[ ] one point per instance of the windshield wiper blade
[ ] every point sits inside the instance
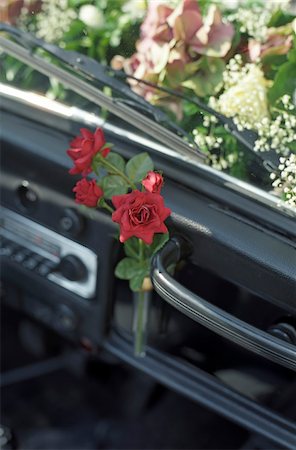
(153, 129)
(103, 74)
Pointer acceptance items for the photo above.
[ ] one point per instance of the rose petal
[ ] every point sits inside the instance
(99, 139)
(87, 134)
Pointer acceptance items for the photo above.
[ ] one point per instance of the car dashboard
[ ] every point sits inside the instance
(58, 259)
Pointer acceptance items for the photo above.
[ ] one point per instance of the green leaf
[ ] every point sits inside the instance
(133, 270)
(190, 109)
(158, 242)
(285, 82)
(208, 79)
(127, 268)
(136, 282)
(101, 202)
(272, 62)
(292, 54)
(99, 170)
(114, 185)
(116, 160)
(138, 166)
(280, 18)
(292, 146)
(131, 247)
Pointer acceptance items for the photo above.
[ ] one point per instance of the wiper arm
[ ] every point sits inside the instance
(103, 74)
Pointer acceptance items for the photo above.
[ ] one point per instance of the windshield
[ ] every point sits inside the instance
(223, 74)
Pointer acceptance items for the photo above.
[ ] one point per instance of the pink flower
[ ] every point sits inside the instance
(155, 25)
(214, 37)
(172, 39)
(276, 44)
(153, 182)
(185, 20)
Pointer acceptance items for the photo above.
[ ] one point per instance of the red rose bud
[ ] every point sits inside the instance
(153, 182)
(87, 192)
(84, 148)
(140, 214)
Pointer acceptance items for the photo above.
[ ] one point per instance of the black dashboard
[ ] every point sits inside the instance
(57, 260)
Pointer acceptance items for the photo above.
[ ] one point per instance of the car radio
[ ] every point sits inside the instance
(48, 254)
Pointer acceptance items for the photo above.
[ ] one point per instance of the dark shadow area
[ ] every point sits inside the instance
(102, 405)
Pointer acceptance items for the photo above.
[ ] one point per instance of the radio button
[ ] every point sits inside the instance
(20, 255)
(45, 268)
(7, 248)
(32, 262)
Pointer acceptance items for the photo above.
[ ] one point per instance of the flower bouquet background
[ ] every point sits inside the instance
(199, 60)
(239, 60)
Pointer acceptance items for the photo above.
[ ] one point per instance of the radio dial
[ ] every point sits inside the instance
(71, 222)
(72, 268)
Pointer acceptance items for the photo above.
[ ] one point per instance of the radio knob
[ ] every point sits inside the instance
(71, 222)
(72, 268)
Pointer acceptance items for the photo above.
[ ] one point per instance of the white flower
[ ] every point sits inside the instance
(246, 100)
(271, 4)
(54, 20)
(230, 4)
(285, 181)
(254, 19)
(135, 9)
(91, 16)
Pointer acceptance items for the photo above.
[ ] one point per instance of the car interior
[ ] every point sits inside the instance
(219, 370)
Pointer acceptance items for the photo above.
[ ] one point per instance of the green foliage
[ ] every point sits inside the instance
(138, 166)
(133, 270)
(110, 172)
(117, 35)
(114, 185)
(127, 268)
(16, 73)
(131, 247)
(280, 18)
(136, 282)
(285, 79)
(271, 64)
(56, 90)
(116, 160)
(158, 242)
(208, 77)
(136, 266)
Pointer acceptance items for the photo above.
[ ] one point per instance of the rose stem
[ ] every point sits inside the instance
(140, 308)
(118, 172)
(106, 206)
(141, 250)
(139, 324)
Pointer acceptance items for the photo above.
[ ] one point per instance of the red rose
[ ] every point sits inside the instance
(87, 192)
(153, 182)
(140, 214)
(84, 148)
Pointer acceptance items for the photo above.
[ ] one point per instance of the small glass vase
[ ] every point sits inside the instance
(142, 301)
